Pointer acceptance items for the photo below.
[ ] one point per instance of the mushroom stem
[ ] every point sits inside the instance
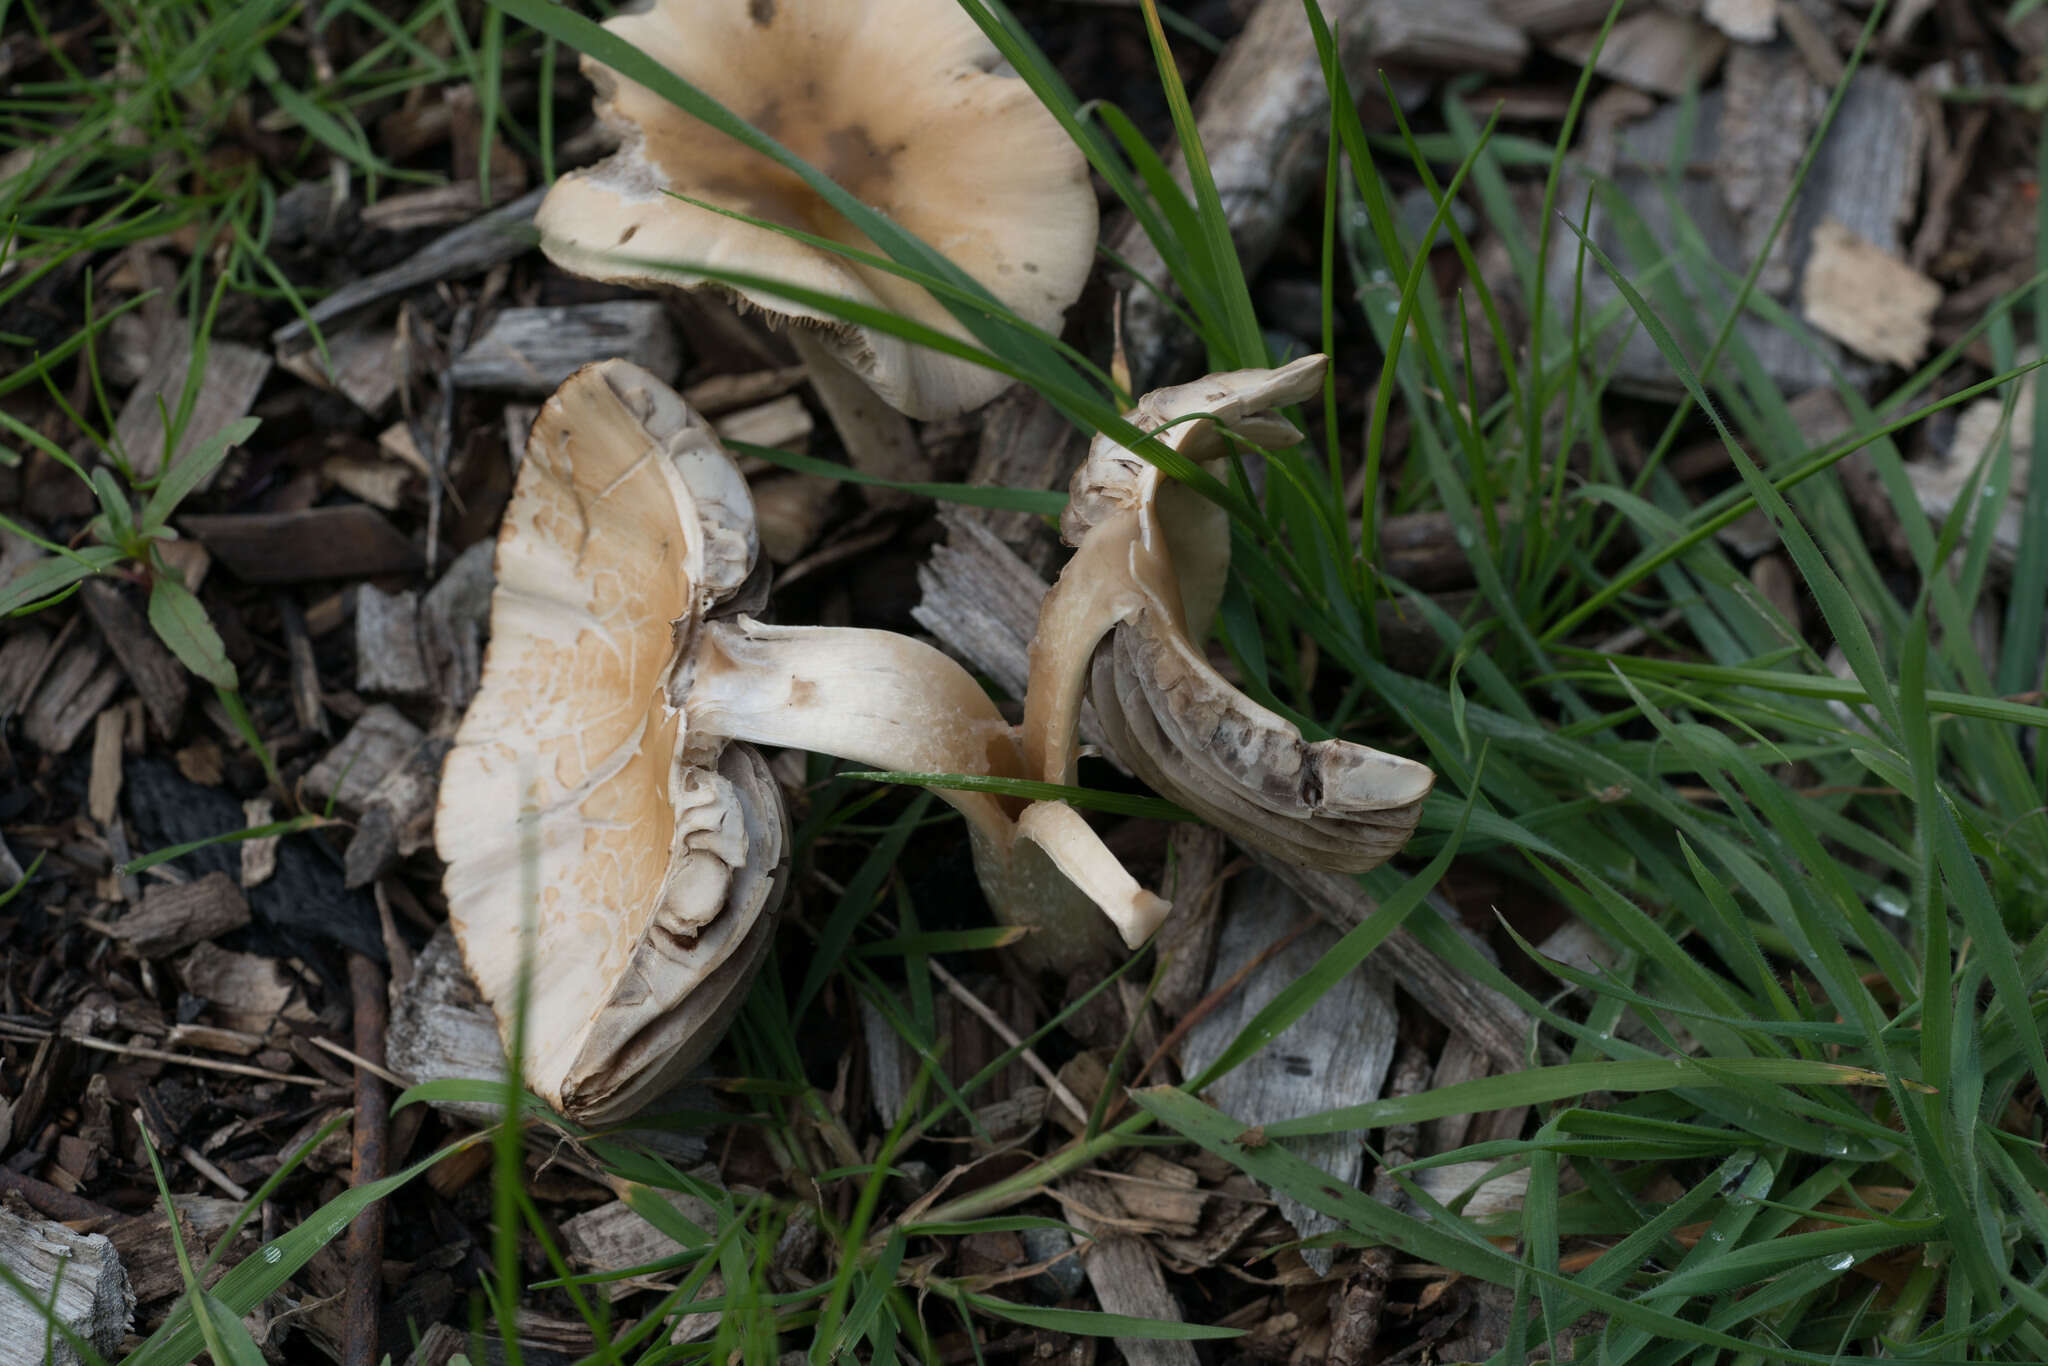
(878, 439)
(1082, 859)
(1094, 592)
(877, 698)
(872, 697)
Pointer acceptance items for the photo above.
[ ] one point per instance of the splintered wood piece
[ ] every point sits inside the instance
(1195, 859)
(350, 772)
(388, 658)
(454, 621)
(1124, 1274)
(160, 680)
(74, 690)
(1771, 108)
(398, 819)
(259, 855)
(344, 542)
(244, 990)
(532, 350)
(175, 916)
(437, 207)
(1261, 116)
(23, 655)
(613, 1237)
(1496, 1025)
(227, 390)
(146, 1247)
(79, 1275)
(1651, 49)
(1334, 1056)
(368, 365)
(1164, 1194)
(103, 790)
(1447, 35)
(477, 245)
(1867, 298)
(1548, 18)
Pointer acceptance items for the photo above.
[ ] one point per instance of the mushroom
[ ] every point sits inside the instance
(604, 776)
(1125, 622)
(900, 103)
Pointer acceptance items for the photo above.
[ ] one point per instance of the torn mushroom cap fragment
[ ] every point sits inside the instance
(964, 158)
(604, 776)
(1148, 573)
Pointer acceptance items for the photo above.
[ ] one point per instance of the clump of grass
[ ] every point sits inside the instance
(1823, 893)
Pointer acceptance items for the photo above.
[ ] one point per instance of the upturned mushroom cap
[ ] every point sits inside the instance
(899, 102)
(652, 877)
(603, 783)
(1125, 620)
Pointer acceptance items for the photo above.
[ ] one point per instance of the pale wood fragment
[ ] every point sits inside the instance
(103, 789)
(1746, 21)
(1652, 49)
(388, 658)
(365, 365)
(614, 1236)
(1124, 1273)
(227, 390)
(1868, 298)
(1447, 35)
(1547, 18)
(783, 422)
(350, 772)
(246, 991)
(1336, 1055)
(74, 690)
(74, 1278)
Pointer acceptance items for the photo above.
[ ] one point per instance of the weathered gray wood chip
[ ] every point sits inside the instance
(1334, 1056)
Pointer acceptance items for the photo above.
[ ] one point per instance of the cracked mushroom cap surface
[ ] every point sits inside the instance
(1138, 598)
(900, 103)
(572, 793)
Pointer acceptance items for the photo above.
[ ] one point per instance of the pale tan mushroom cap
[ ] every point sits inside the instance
(566, 790)
(898, 102)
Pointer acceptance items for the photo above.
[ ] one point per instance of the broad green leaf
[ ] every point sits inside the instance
(181, 623)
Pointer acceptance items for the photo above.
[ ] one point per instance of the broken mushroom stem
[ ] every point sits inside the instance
(877, 698)
(1125, 622)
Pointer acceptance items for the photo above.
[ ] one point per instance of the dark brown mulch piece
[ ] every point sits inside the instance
(173, 917)
(350, 541)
